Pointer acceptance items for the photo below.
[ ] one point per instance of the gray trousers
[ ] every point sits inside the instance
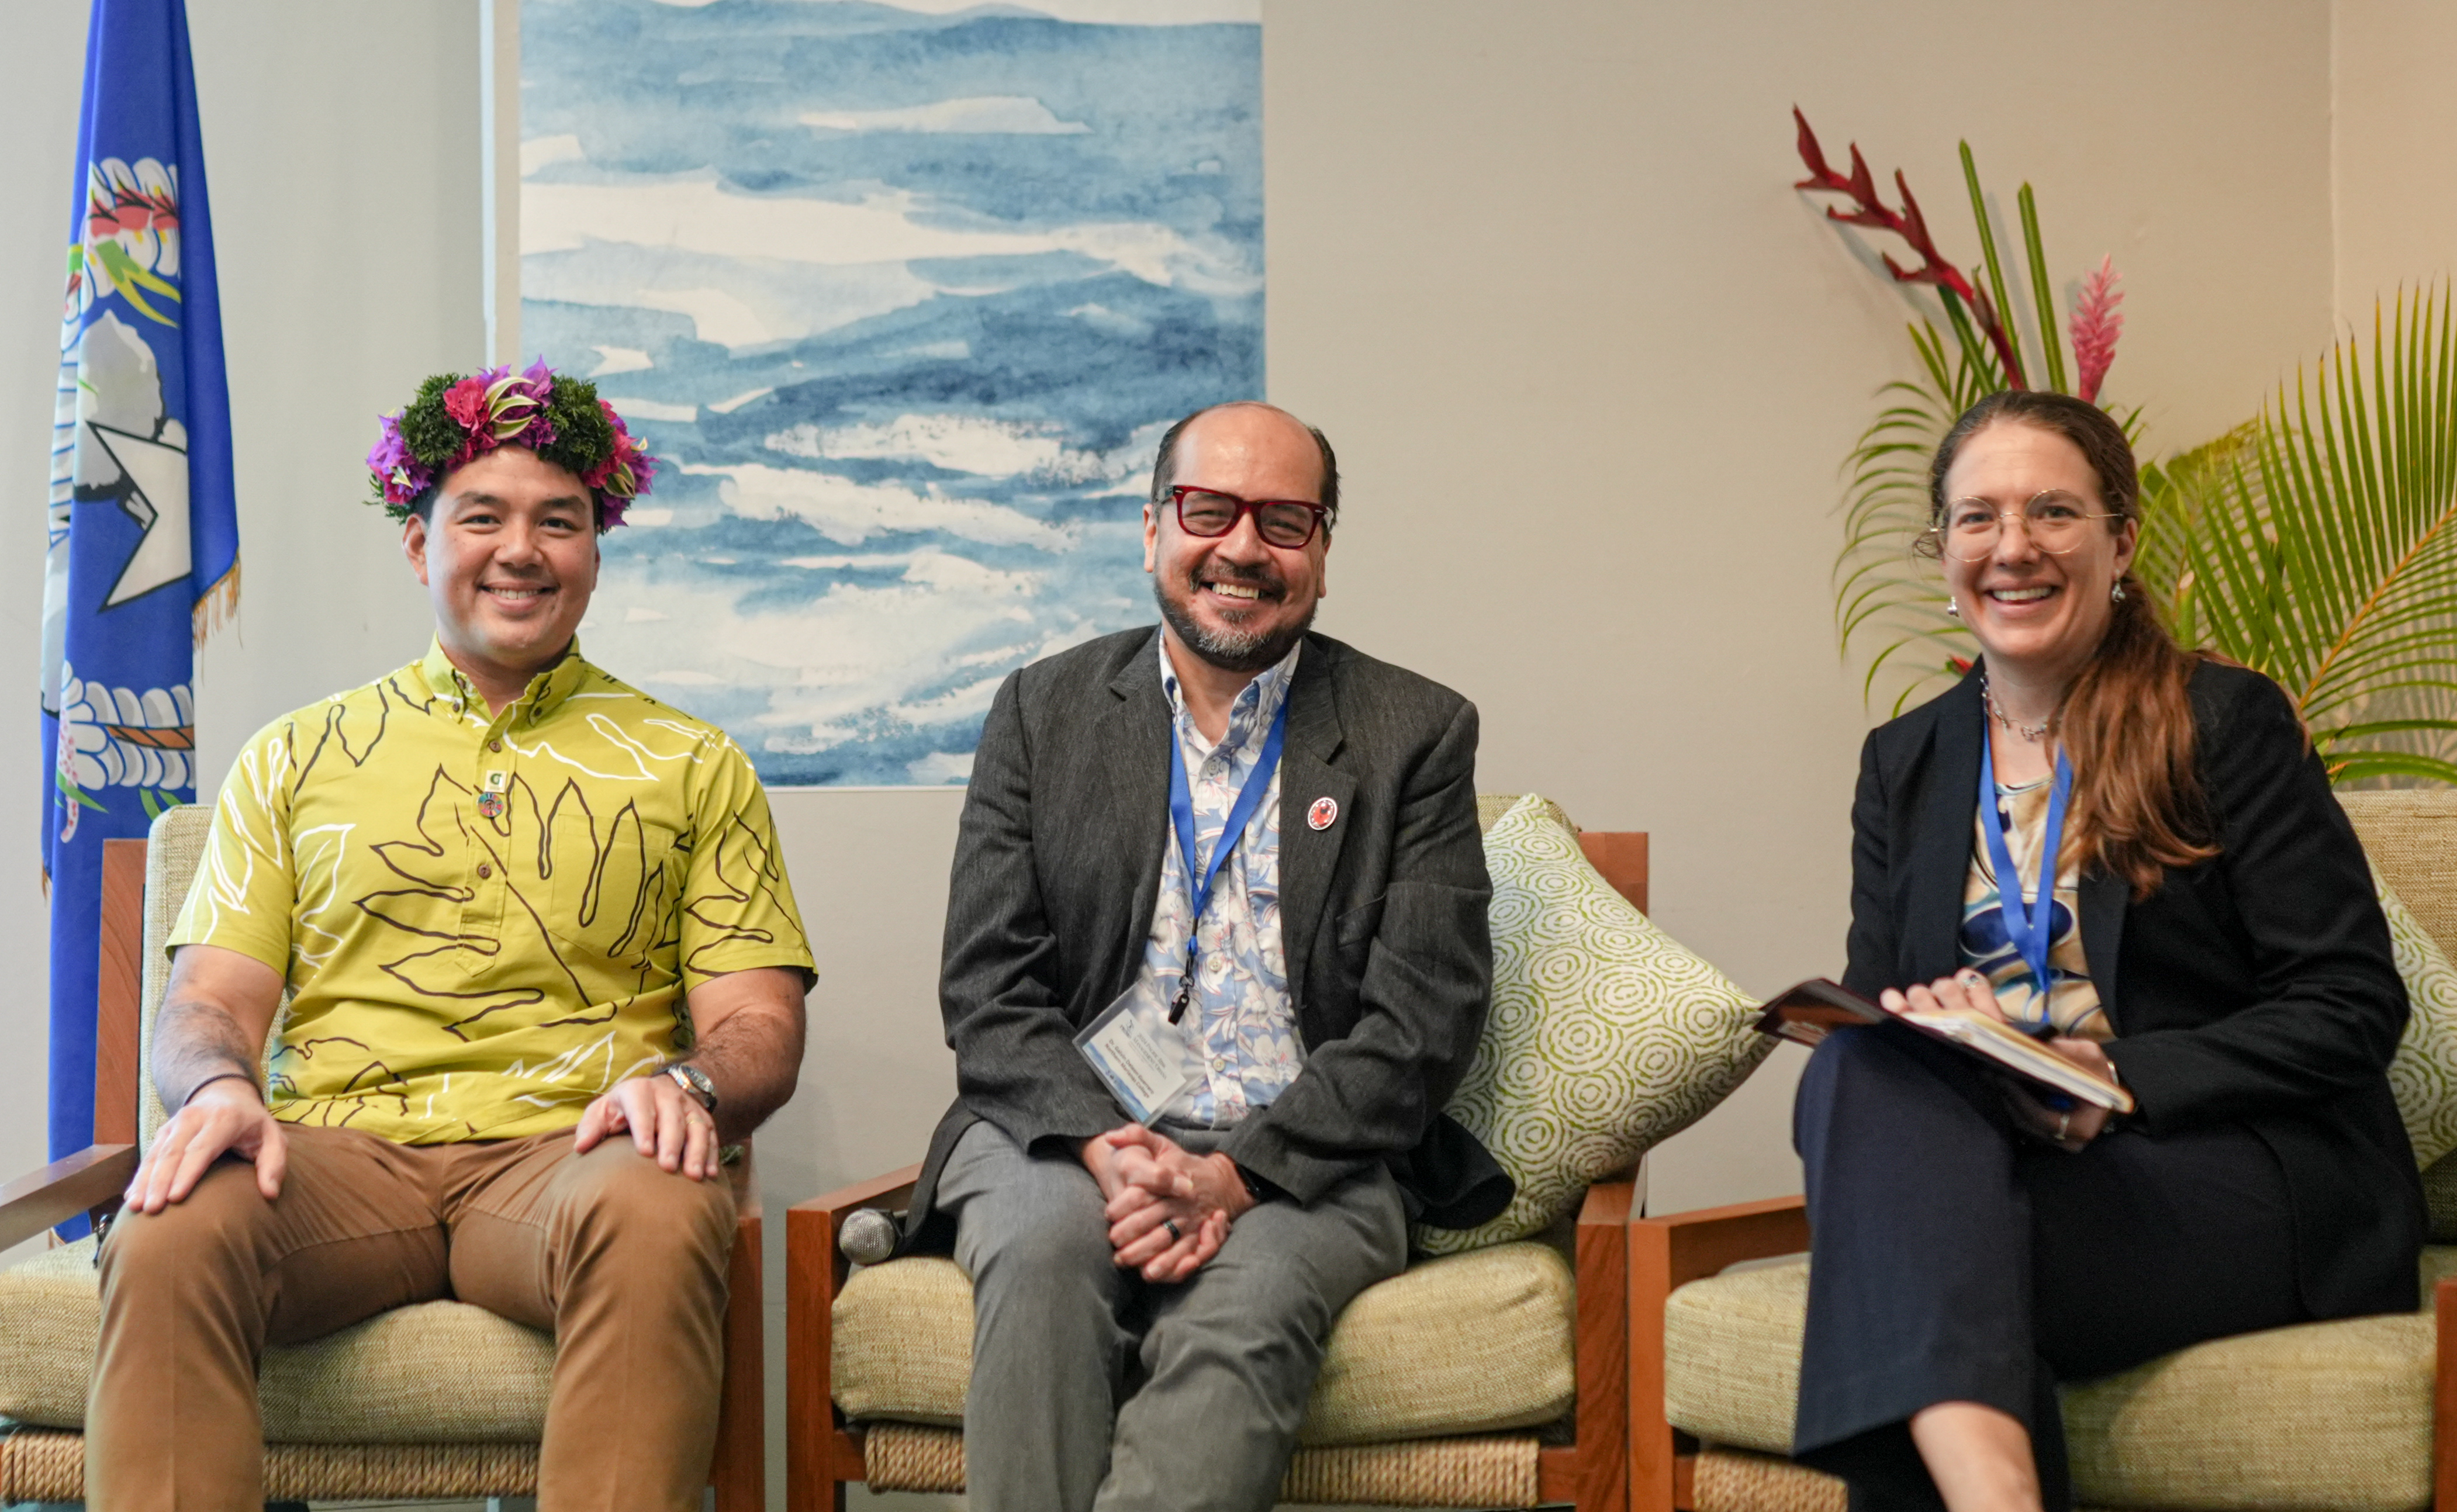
(1093, 1389)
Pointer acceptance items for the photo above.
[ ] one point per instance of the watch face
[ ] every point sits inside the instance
(695, 1082)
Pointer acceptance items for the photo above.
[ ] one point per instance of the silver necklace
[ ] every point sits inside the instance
(2034, 733)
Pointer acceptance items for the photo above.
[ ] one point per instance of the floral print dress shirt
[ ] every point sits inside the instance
(1239, 1022)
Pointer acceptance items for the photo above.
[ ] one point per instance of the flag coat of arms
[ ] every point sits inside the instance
(143, 549)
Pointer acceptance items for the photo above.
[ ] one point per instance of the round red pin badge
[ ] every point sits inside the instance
(1322, 813)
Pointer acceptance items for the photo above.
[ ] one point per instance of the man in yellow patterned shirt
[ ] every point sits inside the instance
(543, 964)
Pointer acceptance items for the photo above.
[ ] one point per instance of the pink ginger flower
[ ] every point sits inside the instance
(2096, 325)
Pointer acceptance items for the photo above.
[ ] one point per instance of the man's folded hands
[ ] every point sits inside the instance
(1168, 1208)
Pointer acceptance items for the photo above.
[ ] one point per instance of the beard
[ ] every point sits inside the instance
(1232, 649)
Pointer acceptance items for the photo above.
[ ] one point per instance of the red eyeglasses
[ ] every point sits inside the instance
(1284, 523)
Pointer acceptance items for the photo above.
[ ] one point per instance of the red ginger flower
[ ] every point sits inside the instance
(1911, 225)
(2096, 325)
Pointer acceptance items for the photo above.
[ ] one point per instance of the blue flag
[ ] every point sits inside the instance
(144, 524)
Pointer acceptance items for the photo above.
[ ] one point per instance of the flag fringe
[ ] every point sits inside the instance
(218, 605)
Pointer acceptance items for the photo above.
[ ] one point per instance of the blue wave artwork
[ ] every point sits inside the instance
(902, 298)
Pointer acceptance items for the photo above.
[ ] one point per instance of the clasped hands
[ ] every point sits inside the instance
(1168, 1208)
(1967, 992)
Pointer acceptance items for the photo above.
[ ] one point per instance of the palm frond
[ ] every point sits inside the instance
(2319, 544)
(1889, 600)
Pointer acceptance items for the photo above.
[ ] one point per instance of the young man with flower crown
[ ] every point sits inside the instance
(545, 965)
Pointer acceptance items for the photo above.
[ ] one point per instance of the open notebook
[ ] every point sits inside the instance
(1807, 1011)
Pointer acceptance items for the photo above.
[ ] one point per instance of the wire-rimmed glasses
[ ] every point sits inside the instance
(1288, 524)
(2054, 521)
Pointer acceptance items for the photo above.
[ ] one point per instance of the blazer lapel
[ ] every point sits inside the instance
(2104, 899)
(1133, 739)
(1941, 843)
(1308, 856)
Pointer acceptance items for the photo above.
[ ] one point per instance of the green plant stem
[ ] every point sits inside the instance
(1979, 358)
(2039, 294)
(1988, 255)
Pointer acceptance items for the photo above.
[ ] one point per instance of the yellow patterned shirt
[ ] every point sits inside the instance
(487, 921)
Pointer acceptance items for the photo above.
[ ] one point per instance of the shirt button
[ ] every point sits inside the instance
(485, 872)
(494, 745)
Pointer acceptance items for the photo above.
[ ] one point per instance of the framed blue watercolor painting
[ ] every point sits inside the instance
(901, 296)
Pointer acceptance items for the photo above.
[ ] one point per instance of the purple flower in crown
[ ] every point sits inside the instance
(397, 472)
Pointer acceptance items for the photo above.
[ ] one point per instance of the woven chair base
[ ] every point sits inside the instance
(42, 1466)
(1738, 1480)
(1496, 1472)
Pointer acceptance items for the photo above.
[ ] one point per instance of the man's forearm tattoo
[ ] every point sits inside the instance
(193, 1041)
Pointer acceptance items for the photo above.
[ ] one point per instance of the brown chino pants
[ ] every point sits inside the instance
(624, 1262)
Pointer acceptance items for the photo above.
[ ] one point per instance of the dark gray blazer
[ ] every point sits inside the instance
(1383, 914)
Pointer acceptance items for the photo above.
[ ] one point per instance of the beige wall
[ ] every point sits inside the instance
(1590, 363)
(2394, 154)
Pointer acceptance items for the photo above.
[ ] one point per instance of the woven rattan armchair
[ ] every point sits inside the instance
(1493, 1379)
(2354, 1416)
(437, 1400)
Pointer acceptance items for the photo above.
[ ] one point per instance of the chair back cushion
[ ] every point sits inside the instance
(173, 850)
(1606, 1036)
(2410, 833)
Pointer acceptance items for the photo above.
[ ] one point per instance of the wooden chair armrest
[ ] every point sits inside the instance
(2444, 1397)
(738, 1471)
(1601, 1341)
(814, 1272)
(94, 1177)
(879, 1191)
(1667, 1253)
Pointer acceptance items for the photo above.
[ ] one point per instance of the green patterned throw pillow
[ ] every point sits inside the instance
(2423, 1075)
(1606, 1038)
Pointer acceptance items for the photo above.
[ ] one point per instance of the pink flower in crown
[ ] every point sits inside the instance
(465, 401)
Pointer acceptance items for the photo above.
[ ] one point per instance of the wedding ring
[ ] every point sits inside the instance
(1174, 1233)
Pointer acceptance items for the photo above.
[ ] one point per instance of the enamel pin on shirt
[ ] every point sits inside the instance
(1324, 810)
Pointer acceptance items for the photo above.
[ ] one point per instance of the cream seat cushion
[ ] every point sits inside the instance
(1504, 1315)
(434, 1373)
(2319, 1417)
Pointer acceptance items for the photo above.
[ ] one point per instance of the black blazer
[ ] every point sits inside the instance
(1383, 914)
(2257, 988)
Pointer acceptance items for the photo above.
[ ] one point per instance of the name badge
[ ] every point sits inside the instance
(1140, 1056)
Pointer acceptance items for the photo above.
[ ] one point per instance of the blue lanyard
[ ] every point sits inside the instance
(1240, 813)
(2029, 934)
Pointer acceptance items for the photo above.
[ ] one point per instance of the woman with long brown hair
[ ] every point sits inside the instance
(2130, 850)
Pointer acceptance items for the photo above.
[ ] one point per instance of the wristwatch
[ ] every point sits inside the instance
(694, 1080)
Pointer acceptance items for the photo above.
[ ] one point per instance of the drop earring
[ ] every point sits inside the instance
(2116, 595)
(1952, 609)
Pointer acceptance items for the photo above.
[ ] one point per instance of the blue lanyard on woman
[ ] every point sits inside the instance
(1240, 813)
(2029, 934)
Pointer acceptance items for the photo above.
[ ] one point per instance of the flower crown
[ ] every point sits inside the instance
(456, 420)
